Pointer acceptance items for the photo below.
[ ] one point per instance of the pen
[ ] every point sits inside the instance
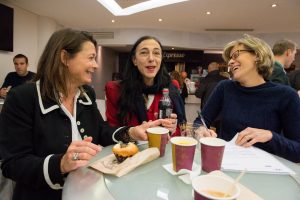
(202, 119)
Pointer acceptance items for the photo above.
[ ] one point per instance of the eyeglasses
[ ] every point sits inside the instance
(236, 54)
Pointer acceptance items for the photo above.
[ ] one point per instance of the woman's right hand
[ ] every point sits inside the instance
(78, 154)
(204, 132)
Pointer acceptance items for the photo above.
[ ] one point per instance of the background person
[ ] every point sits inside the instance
(52, 126)
(20, 76)
(284, 52)
(135, 98)
(263, 113)
(207, 85)
(294, 78)
(175, 76)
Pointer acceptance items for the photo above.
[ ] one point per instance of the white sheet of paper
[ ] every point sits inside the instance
(252, 159)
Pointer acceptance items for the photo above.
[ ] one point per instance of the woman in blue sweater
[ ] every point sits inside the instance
(263, 113)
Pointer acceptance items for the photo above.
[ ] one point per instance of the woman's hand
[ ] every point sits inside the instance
(139, 132)
(250, 136)
(170, 123)
(78, 154)
(204, 132)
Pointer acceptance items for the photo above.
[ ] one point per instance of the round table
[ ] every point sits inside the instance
(151, 181)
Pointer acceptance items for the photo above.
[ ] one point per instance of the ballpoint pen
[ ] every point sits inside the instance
(202, 120)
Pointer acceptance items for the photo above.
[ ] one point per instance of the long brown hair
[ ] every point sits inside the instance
(51, 70)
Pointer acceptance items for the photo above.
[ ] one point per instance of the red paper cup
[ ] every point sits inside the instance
(212, 150)
(158, 137)
(183, 151)
(209, 187)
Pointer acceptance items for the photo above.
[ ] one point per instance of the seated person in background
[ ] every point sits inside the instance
(135, 98)
(207, 85)
(52, 126)
(175, 80)
(263, 113)
(20, 76)
(284, 52)
(175, 76)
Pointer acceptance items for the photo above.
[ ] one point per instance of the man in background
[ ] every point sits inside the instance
(208, 84)
(20, 76)
(284, 52)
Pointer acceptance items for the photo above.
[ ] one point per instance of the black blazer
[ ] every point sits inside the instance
(35, 134)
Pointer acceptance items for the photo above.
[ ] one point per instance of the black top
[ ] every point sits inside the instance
(294, 78)
(34, 135)
(13, 79)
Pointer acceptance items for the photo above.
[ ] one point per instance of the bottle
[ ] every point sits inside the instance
(165, 105)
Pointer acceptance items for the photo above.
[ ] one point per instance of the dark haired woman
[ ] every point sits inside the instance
(135, 98)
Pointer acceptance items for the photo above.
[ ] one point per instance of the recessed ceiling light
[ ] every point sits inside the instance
(208, 12)
(160, 20)
(274, 5)
(116, 9)
(172, 48)
(113, 21)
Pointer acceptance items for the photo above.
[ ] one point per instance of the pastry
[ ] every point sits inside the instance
(124, 150)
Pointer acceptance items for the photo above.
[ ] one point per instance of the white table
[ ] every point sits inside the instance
(151, 181)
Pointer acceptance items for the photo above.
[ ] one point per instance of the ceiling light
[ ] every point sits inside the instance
(160, 20)
(274, 5)
(113, 21)
(208, 12)
(116, 9)
(172, 48)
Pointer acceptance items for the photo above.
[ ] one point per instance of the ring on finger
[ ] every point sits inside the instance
(75, 156)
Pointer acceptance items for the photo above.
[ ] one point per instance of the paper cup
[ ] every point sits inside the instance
(183, 151)
(158, 137)
(209, 187)
(212, 150)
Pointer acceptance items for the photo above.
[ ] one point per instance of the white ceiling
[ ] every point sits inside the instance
(187, 16)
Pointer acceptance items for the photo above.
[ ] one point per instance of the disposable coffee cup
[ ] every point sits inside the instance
(210, 187)
(212, 150)
(183, 151)
(158, 137)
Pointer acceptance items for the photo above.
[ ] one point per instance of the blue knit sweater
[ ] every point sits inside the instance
(269, 106)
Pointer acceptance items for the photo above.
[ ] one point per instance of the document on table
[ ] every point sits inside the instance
(252, 159)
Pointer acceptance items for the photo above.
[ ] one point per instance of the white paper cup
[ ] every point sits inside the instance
(204, 185)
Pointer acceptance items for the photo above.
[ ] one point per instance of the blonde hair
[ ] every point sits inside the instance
(265, 57)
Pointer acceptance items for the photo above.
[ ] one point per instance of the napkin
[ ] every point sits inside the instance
(110, 165)
(185, 175)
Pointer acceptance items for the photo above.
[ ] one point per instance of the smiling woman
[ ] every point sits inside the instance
(135, 98)
(263, 113)
(51, 126)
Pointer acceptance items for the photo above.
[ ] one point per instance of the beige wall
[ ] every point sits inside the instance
(31, 32)
(108, 61)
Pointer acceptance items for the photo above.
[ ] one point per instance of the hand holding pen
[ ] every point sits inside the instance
(203, 130)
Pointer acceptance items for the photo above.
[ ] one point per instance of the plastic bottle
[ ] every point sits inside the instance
(165, 105)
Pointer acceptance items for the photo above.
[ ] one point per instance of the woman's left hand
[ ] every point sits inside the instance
(250, 136)
(139, 132)
(170, 123)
